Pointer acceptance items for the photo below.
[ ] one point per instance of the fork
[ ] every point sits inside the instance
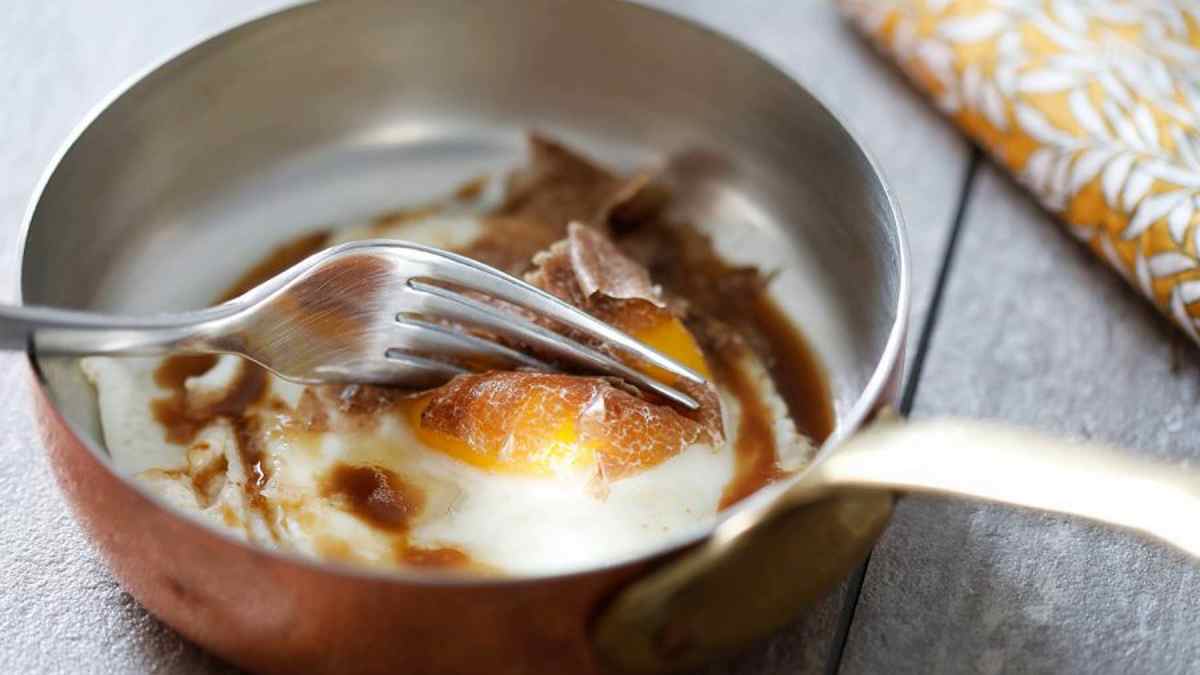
(373, 312)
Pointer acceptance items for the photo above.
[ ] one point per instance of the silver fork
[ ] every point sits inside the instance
(378, 312)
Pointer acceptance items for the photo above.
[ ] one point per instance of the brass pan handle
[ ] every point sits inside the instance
(761, 566)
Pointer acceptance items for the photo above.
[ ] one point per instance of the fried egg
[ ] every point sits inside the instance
(508, 473)
(377, 489)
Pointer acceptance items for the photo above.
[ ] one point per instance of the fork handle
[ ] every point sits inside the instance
(62, 332)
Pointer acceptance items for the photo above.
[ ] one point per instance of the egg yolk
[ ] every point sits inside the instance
(669, 337)
(522, 426)
(549, 425)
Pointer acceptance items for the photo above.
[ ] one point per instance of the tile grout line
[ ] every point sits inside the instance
(909, 393)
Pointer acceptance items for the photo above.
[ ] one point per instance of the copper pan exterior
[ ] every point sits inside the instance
(291, 121)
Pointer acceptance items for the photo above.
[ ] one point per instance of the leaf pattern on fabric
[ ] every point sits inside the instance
(1094, 105)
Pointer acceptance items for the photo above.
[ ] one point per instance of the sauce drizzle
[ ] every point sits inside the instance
(383, 499)
(375, 495)
(182, 417)
(755, 451)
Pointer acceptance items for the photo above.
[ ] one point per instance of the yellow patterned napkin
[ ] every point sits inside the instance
(1093, 104)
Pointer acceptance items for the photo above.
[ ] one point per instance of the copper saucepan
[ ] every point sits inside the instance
(331, 111)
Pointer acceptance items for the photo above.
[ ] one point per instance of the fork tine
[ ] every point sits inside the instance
(457, 307)
(419, 337)
(419, 369)
(463, 271)
(396, 368)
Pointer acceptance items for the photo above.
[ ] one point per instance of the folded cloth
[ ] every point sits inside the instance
(1094, 105)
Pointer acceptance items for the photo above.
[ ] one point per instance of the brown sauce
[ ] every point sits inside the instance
(175, 370)
(206, 481)
(398, 217)
(381, 498)
(183, 418)
(444, 557)
(795, 370)
(375, 495)
(755, 452)
(310, 414)
(801, 383)
(247, 389)
(471, 190)
(246, 430)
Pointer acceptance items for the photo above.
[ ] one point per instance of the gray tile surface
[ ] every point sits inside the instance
(1036, 331)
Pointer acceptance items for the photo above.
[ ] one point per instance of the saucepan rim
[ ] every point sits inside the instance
(882, 377)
